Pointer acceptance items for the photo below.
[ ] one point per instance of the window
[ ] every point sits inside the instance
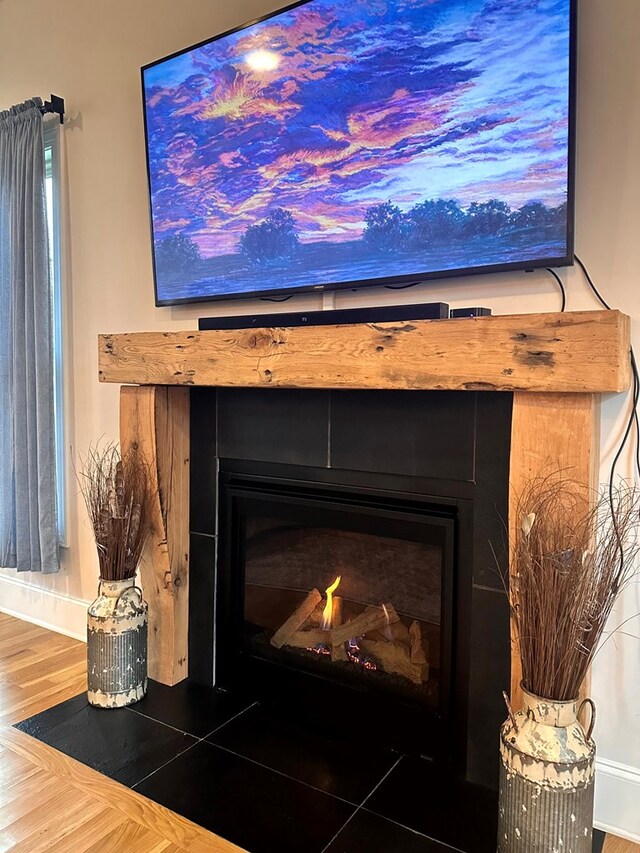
(52, 189)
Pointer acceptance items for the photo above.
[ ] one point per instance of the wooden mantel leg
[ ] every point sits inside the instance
(548, 432)
(155, 420)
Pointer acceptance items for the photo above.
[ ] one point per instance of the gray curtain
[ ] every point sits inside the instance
(28, 517)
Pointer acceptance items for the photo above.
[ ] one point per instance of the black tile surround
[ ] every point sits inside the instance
(442, 442)
(267, 783)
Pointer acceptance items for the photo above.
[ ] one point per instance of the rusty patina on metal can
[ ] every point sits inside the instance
(117, 645)
(546, 779)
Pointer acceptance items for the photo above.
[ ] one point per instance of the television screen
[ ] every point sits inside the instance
(340, 144)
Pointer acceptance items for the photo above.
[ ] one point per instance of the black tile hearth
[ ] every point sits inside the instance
(369, 833)
(249, 805)
(265, 425)
(416, 433)
(346, 767)
(117, 742)
(190, 707)
(420, 797)
(598, 841)
(409, 806)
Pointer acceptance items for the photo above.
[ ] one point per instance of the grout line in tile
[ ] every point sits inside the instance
(280, 773)
(415, 831)
(183, 731)
(375, 787)
(154, 720)
(384, 817)
(230, 720)
(197, 740)
(371, 792)
(344, 826)
(162, 766)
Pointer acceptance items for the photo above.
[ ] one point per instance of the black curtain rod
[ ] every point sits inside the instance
(55, 105)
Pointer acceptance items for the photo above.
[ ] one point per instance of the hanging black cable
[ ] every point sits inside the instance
(400, 286)
(633, 417)
(274, 299)
(591, 284)
(560, 285)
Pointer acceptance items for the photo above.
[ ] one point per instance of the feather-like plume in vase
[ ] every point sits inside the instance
(116, 492)
(570, 563)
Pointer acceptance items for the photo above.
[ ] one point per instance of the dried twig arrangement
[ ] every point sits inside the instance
(116, 492)
(568, 567)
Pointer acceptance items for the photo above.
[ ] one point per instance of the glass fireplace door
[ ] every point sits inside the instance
(355, 589)
(357, 606)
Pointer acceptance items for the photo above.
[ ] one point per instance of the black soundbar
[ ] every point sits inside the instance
(382, 314)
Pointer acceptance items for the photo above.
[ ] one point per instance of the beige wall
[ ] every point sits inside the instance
(91, 53)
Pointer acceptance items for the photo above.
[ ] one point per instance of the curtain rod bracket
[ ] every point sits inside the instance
(55, 105)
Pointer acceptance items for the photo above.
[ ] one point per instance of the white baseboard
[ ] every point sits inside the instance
(617, 807)
(45, 607)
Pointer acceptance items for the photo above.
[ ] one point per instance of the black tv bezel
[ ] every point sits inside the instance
(279, 294)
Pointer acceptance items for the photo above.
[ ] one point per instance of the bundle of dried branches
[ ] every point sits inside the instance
(568, 567)
(116, 492)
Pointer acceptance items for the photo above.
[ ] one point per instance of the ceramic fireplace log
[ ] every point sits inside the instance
(339, 652)
(372, 619)
(315, 619)
(417, 652)
(308, 639)
(395, 658)
(400, 632)
(296, 620)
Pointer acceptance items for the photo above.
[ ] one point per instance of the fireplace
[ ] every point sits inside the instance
(342, 595)
(342, 561)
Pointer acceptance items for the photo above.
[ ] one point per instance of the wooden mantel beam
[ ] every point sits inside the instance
(578, 352)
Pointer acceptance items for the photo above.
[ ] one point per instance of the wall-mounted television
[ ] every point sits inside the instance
(339, 144)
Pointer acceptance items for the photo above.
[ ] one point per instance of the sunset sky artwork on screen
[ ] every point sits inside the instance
(354, 141)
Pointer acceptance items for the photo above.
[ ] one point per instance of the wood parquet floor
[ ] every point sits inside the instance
(49, 801)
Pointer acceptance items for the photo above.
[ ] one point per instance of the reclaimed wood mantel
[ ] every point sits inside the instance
(583, 351)
(556, 364)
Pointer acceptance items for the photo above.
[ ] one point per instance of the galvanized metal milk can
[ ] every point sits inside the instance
(546, 779)
(117, 645)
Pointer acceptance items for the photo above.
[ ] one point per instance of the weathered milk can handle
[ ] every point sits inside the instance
(592, 721)
(134, 588)
(131, 589)
(512, 716)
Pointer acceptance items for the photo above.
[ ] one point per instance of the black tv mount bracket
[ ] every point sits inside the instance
(55, 105)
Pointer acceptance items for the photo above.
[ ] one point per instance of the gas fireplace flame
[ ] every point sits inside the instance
(327, 613)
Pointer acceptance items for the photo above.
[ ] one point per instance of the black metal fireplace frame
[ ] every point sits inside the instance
(440, 734)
